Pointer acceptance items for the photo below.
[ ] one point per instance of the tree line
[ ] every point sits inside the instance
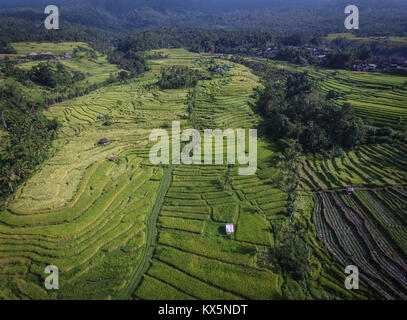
(197, 40)
(45, 74)
(28, 135)
(19, 29)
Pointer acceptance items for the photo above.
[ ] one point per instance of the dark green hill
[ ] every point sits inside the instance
(314, 16)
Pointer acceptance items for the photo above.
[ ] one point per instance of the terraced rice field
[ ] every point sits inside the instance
(366, 229)
(359, 229)
(369, 230)
(80, 212)
(96, 70)
(367, 166)
(89, 216)
(95, 219)
(192, 244)
(254, 204)
(194, 258)
(57, 48)
(379, 97)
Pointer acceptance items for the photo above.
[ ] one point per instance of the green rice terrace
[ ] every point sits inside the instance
(95, 66)
(380, 98)
(126, 229)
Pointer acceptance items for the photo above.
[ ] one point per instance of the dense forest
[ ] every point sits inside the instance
(284, 17)
(28, 135)
(178, 77)
(21, 29)
(132, 60)
(6, 47)
(198, 40)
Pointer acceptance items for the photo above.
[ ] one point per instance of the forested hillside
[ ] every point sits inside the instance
(316, 17)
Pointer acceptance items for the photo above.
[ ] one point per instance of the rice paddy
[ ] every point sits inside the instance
(365, 231)
(80, 212)
(367, 166)
(97, 70)
(377, 97)
(92, 217)
(192, 245)
(60, 48)
(194, 255)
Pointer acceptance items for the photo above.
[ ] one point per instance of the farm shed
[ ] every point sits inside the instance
(350, 190)
(101, 116)
(48, 54)
(113, 159)
(104, 142)
(229, 228)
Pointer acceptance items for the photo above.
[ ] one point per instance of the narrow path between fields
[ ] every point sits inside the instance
(151, 227)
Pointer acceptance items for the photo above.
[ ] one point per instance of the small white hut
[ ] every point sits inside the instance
(230, 228)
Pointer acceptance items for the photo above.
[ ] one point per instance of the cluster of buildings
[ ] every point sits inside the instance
(270, 52)
(47, 55)
(378, 64)
(318, 53)
(40, 56)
